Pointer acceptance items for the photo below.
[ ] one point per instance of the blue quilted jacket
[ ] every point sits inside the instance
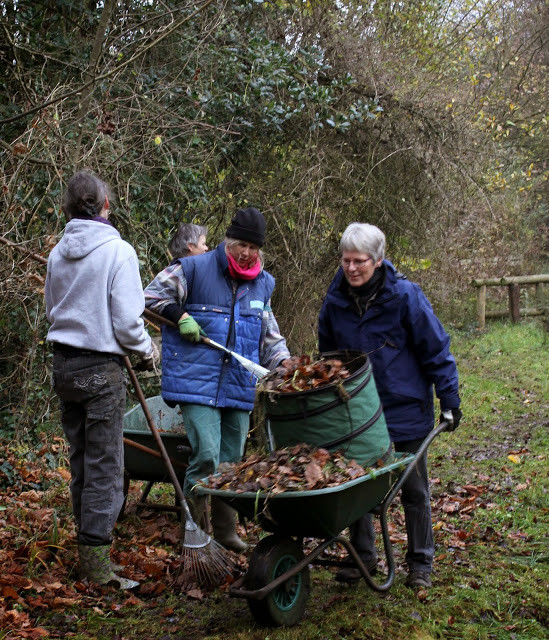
(407, 345)
(196, 373)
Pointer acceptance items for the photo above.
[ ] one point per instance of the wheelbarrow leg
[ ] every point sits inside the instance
(146, 491)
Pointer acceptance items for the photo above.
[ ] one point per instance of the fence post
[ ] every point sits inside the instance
(514, 302)
(540, 295)
(513, 285)
(481, 306)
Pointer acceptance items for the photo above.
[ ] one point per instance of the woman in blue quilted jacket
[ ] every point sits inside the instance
(226, 295)
(372, 307)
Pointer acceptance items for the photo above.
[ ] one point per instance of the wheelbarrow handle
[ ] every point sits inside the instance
(442, 426)
(381, 510)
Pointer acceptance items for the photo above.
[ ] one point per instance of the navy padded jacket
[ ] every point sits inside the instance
(196, 373)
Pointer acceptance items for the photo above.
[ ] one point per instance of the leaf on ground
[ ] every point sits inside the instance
(474, 490)
(64, 473)
(450, 506)
(9, 592)
(153, 569)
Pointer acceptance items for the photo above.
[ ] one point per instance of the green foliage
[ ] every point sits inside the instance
(8, 474)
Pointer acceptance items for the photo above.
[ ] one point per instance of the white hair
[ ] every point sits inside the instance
(364, 238)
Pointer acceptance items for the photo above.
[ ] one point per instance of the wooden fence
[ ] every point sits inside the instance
(513, 283)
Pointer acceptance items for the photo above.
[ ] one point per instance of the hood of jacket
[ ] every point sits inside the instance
(81, 237)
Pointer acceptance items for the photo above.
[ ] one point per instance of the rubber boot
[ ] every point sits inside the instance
(116, 567)
(96, 566)
(224, 526)
(198, 508)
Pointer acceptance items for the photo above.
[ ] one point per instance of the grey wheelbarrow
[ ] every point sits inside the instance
(142, 460)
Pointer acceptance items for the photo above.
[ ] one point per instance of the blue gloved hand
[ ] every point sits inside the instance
(190, 329)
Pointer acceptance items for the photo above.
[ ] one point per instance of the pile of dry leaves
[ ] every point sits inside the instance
(300, 373)
(298, 468)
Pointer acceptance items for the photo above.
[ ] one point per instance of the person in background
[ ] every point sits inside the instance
(225, 294)
(372, 307)
(94, 300)
(188, 240)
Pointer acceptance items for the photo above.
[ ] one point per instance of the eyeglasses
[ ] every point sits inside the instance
(359, 264)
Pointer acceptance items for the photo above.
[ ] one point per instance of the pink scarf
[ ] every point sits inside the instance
(238, 273)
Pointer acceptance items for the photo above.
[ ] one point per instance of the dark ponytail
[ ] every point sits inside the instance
(85, 196)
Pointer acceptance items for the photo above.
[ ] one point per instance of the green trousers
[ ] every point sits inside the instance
(215, 435)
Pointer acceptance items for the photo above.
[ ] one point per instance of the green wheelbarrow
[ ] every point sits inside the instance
(277, 582)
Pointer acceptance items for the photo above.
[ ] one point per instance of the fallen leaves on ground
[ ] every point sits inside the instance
(38, 551)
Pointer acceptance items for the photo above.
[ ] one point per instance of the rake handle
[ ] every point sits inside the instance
(156, 317)
(152, 317)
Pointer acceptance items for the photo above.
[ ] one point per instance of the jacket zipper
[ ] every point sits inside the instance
(234, 288)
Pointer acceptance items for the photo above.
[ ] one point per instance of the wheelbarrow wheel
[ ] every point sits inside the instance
(285, 605)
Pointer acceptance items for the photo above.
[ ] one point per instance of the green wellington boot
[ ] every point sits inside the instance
(224, 526)
(96, 566)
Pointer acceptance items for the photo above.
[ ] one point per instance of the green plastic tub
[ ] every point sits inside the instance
(346, 416)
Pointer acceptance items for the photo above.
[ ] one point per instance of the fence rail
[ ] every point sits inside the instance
(513, 284)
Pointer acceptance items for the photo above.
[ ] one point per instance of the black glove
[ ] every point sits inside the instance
(454, 420)
(150, 361)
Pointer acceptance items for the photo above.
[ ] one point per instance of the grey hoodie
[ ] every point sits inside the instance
(94, 295)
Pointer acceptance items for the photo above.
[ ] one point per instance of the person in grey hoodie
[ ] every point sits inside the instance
(94, 302)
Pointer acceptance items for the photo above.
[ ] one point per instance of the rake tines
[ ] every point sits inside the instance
(204, 562)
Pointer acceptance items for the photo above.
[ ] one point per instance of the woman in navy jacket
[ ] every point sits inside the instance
(371, 307)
